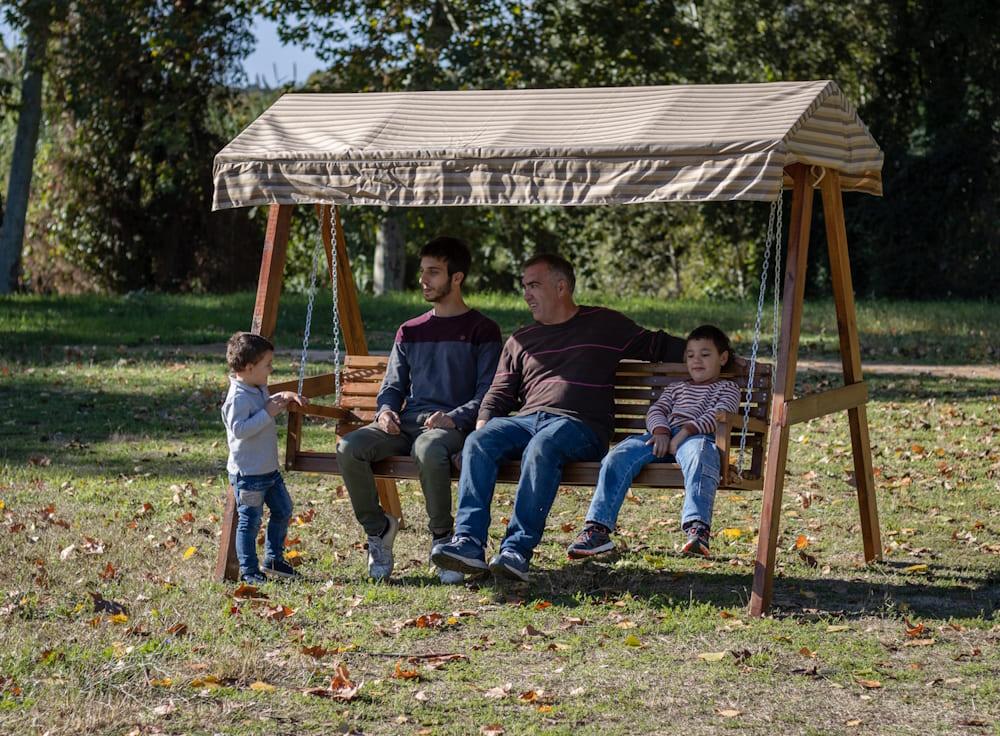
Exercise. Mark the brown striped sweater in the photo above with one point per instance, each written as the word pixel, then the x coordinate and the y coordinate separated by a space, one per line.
pixel 693 405
pixel 569 368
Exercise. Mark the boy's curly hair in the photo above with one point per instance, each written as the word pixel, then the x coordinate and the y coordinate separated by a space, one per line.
pixel 244 349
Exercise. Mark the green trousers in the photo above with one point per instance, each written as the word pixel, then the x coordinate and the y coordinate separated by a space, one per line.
pixel 432 449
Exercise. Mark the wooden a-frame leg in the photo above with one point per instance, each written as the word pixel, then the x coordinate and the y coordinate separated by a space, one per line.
pixel 265 317
pixel 784 389
pixel 850 353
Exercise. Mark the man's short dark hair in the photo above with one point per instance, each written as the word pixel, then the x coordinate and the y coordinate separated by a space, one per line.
pixel 244 349
pixel 453 251
pixel 556 263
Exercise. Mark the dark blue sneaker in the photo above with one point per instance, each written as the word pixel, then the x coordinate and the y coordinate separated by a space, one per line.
pixel 510 564
pixel 252 577
pixel 280 569
pixel 462 554
pixel 593 540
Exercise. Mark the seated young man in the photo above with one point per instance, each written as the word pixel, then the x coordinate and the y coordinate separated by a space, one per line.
pixel 440 367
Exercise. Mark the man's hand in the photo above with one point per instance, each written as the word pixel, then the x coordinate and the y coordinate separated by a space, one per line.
pixel 388 422
pixel 480 423
pixel 439 420
pixel 660 442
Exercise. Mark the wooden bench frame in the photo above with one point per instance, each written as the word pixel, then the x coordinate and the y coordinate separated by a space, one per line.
pixel 784 409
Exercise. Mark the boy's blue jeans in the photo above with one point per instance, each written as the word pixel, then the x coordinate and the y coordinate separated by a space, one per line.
pixel 253 492
pixel 544 442
pixel 699 460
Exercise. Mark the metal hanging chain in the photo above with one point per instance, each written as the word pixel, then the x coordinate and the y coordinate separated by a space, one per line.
pixel 776 340
pixel 336 311
pixel 309 314
pixel 771 237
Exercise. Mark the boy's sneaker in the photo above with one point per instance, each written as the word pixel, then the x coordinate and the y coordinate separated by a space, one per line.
pixel 510 564
pixel 448 577
pixel 254 577
pixel 593 540
pixel 280 569
pixel 697 539
pixel 461 554
pixel 380 559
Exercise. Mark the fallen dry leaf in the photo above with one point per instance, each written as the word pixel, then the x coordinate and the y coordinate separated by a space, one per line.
pixel 499 692
pixel 530 630
pixel 190 552
pixel 869 684
pixel 712 656
pixel 317 652
pixel 801 542
pixel 494 729
pixel 401 674
pixel 728 712
pixel 913 630
pixel 248 592
pixel 262 687
pixel 340 688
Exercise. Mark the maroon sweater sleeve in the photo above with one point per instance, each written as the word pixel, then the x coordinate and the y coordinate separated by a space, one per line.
pixel 504 393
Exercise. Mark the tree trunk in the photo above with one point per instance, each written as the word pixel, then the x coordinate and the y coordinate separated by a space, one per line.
pixel 36 32
pixel 390 255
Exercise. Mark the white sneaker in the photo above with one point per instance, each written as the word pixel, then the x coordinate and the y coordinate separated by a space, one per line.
pixel 380 560
pixel 448 577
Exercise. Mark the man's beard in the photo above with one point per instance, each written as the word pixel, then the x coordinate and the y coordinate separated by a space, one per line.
pixel 439 294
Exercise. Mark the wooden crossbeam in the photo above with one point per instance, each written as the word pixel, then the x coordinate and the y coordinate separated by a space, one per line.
pixel 825 402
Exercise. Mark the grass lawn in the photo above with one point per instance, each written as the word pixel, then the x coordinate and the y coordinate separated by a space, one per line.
pixel 111 489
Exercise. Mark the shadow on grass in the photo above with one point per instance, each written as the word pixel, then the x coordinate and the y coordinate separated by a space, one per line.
pixel 945 591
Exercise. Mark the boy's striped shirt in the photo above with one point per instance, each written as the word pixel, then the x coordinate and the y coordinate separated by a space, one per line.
pixel 693 405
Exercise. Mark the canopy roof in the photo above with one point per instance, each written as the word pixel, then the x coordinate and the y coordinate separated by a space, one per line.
pixel 611 145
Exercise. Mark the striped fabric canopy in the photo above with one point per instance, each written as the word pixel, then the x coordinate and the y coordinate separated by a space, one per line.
pixel 691 143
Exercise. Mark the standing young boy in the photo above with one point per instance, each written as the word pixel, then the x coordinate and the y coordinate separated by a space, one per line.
pixel 248 413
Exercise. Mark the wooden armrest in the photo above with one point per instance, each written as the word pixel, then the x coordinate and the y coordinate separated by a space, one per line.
pixel 323 410
pixel 736 422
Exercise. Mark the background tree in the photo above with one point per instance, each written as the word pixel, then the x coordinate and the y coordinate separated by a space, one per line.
pixel 34 17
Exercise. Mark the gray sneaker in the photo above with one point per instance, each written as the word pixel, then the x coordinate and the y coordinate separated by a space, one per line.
pixel 448 577
pixel 380 560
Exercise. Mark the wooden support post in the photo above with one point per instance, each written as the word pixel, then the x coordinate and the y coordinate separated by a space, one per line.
pixel 265 317
pixel 353 327
pixel 784 389
pixel 850 354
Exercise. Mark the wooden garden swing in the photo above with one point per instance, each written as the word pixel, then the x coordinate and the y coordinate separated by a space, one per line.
pixel 572 147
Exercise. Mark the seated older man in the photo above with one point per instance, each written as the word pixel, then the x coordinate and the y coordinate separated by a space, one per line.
pixel 558 374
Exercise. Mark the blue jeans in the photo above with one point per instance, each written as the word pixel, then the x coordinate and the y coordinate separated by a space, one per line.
pixel 699 460
pixel 544 442
pixel 253 492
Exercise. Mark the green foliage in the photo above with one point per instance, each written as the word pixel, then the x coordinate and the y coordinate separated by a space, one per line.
pixel 131 179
